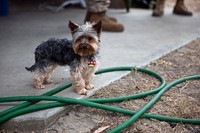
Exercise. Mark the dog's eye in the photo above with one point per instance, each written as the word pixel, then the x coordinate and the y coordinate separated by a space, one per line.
pixel 78 39
pixel 90 38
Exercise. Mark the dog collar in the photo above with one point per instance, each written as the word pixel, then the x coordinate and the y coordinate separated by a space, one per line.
pixel 91 63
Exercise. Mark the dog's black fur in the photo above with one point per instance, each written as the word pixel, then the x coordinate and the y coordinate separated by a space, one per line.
pixel 55 51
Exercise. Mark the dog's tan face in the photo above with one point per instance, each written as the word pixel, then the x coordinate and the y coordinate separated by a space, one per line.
pixel 85 37
pixel 85 45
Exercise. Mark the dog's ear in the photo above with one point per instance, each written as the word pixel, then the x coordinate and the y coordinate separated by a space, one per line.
pixel 72 26
pixel 98 27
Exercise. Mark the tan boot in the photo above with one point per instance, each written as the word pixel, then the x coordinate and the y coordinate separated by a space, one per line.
pixel 108 23
pixel 88 15
pixel 180 9
pixel 159 10
pixel 111 18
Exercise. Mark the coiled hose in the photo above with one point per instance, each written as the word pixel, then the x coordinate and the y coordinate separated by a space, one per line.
pixel 26 107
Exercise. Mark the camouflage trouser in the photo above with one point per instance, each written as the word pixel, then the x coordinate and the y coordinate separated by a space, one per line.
pixel 97 5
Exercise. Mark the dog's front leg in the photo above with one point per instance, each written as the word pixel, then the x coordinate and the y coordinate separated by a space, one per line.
pixel 78 82
pixel 88 76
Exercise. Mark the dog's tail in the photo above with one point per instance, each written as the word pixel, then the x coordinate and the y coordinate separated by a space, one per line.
pixel 31 69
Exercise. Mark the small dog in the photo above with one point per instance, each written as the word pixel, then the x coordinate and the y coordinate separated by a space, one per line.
pixel 80 55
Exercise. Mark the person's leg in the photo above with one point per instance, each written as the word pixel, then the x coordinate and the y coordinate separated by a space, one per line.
pixel 180 9
pixel 159 10
pixel 96 11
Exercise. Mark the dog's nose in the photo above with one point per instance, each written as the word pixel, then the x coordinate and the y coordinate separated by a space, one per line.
pixel 84 45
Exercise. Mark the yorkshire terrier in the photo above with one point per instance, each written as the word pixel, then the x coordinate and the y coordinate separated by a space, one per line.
pixel 80 54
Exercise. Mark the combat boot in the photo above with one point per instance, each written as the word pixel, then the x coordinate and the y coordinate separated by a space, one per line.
pixel 108 23
pixel 159 10
pixel 180 9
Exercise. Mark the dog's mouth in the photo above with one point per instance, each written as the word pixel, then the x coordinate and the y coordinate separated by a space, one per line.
pixel 85 49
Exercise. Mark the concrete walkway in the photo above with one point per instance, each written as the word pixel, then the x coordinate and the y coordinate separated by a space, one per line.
pixel 145 39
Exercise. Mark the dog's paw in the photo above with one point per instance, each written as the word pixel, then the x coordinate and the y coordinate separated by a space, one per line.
pixel 48 81
pixel 40 86
pixel 82 91
pixel 89 87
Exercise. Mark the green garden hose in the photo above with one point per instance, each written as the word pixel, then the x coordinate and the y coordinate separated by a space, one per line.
pixel 118 99
pixel 63 101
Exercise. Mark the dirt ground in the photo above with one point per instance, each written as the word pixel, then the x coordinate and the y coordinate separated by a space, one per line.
pixel 182 100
